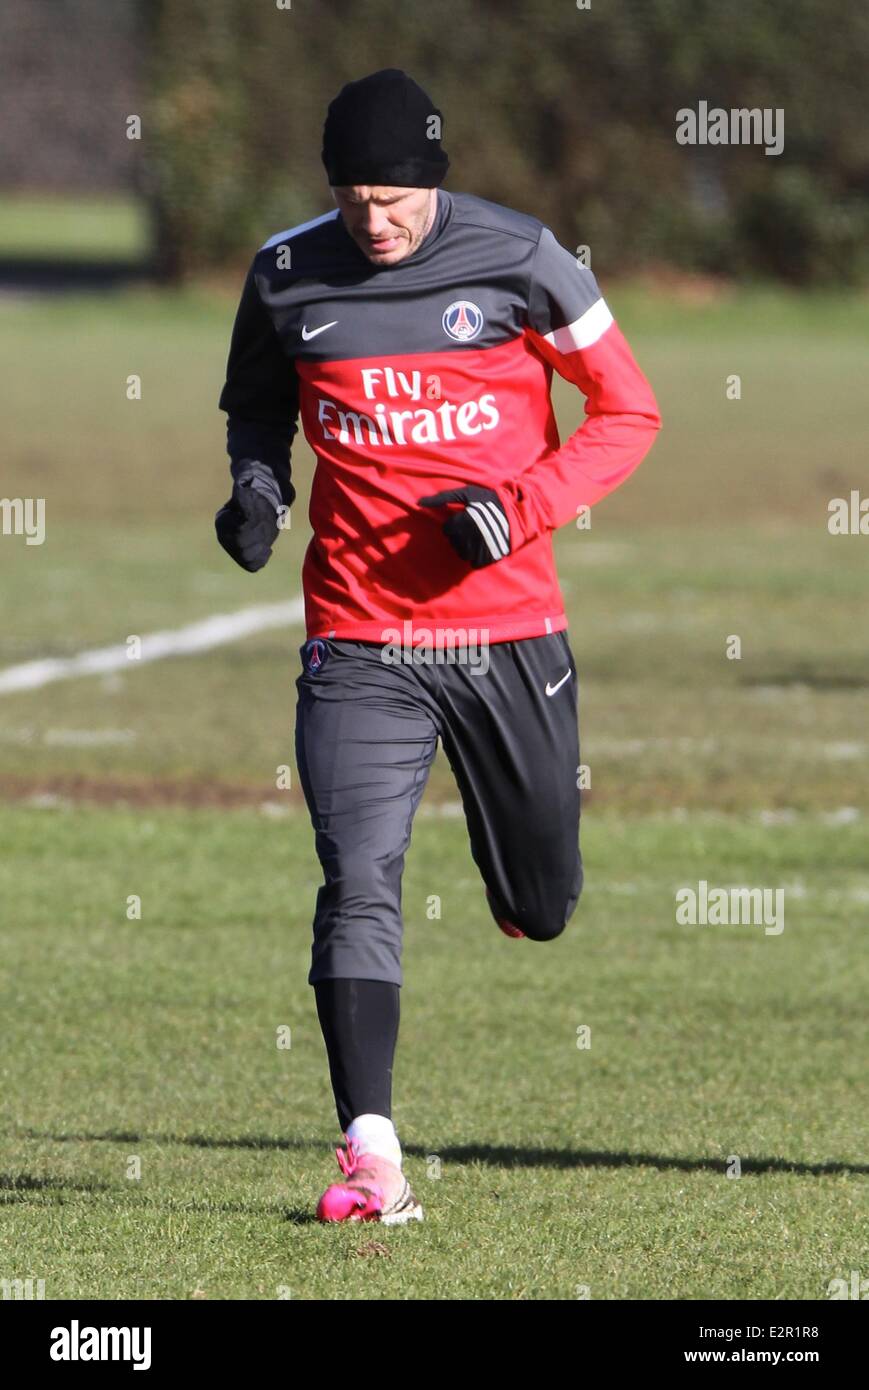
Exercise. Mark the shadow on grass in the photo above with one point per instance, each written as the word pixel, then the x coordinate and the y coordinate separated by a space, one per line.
pixel 508 1157
pixel 498 1156
pixel 19 1187
pixel 196 1141
pixel 808 676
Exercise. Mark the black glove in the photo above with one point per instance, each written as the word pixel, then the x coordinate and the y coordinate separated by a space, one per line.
pixel 480 532
pixel 248 525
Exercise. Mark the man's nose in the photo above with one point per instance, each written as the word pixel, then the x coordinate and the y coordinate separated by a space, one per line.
pixel 375 222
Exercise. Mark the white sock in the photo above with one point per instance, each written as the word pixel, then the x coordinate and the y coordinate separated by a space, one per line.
pixel 374 1134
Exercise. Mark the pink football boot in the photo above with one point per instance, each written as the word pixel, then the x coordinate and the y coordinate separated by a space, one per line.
pixel 507 927
pixel 374 1190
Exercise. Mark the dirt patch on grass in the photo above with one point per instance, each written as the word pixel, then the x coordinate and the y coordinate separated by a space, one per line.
pixel 153 792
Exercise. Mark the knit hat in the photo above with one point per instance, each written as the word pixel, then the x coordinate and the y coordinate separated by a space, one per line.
pixel 384 130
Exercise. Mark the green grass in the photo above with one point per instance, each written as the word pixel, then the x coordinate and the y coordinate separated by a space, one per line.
pixel 542 1167
pixel 97 228
pixel 560 1167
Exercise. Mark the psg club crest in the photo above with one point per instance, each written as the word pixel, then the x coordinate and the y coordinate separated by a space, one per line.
pixel 462 320
pixel 314 655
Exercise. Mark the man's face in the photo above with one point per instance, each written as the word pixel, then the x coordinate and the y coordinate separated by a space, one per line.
pixel 386 223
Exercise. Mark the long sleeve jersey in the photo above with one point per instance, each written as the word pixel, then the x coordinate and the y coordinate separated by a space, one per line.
pixel 427 375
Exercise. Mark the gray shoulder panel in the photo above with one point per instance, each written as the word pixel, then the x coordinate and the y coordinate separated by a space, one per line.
pixel 562 289
pixel 466 288
pixel 492 217
pixel 291 232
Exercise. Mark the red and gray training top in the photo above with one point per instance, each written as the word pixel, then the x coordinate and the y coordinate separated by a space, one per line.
pixel 426 375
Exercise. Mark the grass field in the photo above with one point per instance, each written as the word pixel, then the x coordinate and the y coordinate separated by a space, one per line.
pixel 544 1168
pixel 98 228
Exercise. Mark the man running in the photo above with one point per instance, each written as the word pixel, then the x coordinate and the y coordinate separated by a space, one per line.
pixel 415 332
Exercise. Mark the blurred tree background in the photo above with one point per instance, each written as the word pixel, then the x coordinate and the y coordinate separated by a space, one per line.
pixel 565 112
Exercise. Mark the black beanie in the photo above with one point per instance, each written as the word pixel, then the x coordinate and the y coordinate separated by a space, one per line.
pixel 380 130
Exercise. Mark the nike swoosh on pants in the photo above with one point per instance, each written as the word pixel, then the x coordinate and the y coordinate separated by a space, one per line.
pixel 551 689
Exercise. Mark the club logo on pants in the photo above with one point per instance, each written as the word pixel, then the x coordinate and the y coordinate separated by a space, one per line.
pixel 314 654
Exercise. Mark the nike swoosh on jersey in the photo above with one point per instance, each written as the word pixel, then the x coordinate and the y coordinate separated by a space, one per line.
pixel 307 334
pixel 551 689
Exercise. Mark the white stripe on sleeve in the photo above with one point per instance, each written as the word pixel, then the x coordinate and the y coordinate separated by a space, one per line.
pixel 584 331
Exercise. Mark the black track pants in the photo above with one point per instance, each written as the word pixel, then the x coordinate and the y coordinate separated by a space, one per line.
pixel 366 734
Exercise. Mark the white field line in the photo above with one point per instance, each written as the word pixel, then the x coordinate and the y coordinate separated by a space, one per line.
pixel 179 641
